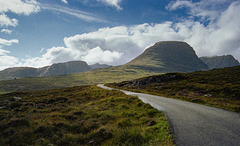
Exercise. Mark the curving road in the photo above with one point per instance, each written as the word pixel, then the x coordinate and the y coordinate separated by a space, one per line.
pixel 194 124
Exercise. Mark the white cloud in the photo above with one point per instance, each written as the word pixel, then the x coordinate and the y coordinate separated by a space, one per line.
pixel 76 13
pixel 97 55
pixel 7 31
pixel 113 3
pixel 128 41
pixel 7 61
pixel 3 52
pixel 219 37
pixel 8 42
pixel 65 1
pixel 118 45
pixel 53 55
pixel 25 7
pixel 6 21
pixel 207 10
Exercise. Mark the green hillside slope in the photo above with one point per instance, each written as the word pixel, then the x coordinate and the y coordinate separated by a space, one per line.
pixel 218 87
pixel 163 57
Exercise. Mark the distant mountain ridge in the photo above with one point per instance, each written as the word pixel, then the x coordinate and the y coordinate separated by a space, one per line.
pixel 220 61
pixel 97 65
pixel 163 57
pixel 53 70
pixel 168 56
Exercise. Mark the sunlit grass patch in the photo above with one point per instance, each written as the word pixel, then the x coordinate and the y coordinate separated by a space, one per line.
pixel 84 115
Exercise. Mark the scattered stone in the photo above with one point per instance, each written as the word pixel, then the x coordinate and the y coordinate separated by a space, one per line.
pixel 91 141
pixel 208 95
pixel 2 107
pixel 16 99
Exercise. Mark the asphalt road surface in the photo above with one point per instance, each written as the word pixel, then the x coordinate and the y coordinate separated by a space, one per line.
pixel 194 124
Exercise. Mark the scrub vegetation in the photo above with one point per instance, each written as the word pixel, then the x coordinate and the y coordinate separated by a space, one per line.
pixel 219 87
pixel 84 115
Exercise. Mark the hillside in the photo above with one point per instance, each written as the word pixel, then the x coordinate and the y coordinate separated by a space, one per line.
pixel 218 87
pixel 161 58
pixel 85 115
pixel 220 61
pixel 53 70
pixel 169 56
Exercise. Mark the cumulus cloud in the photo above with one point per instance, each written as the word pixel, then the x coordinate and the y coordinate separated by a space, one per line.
pixel 52 55
pixel 7 31
pixel 65 1
pixel 113 3
pixel 8 42
pixel 18 7
pixel 25 7
pixel 3 52
pixel 118 45
pixel 97 55
pixel 62 54
pixel 7 61
pixel 221 35
pixel 6 21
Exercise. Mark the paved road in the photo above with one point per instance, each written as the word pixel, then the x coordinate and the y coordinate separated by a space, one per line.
pixel 193 124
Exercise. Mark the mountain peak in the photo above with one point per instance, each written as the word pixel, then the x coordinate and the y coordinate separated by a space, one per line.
pixel 168 56
pixel 220 61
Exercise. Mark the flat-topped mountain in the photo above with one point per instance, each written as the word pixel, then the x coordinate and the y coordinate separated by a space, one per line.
pixel 53 70
pixel 65 68
pixel 168 56
pixel 220 61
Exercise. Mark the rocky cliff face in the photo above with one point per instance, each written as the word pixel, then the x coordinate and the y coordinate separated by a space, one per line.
pixel 66 68
pixel 169 56
pixel 53 70
pixel 220 61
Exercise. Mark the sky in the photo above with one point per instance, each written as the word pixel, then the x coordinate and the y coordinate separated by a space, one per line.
pixel 37 33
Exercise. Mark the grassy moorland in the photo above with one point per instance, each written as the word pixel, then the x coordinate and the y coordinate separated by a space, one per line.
pixel 85 115
pixel 110 75
pixel 219 87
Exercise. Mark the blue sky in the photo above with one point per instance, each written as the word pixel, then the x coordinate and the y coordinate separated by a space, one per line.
pixel 37 33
